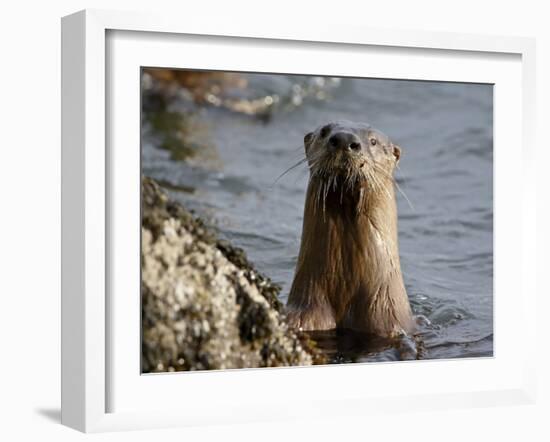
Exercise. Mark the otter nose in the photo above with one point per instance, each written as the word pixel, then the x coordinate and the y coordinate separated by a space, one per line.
pixel 344 140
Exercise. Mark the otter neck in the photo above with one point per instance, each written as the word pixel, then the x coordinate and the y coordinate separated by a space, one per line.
pixel 349 250
pixel 360 208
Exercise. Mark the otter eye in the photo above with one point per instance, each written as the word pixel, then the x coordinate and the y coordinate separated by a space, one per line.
pixel 373 141
pixel 324 131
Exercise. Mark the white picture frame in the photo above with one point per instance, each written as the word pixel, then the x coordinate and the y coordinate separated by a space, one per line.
pixel 88 324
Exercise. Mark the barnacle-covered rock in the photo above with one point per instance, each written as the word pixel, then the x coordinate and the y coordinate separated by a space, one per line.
pixel 204 306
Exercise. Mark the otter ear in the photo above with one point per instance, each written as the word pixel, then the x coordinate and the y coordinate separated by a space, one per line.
pixel 307 139
pixel 396 150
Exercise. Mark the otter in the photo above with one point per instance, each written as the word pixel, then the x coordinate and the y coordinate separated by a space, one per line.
pixel 348 274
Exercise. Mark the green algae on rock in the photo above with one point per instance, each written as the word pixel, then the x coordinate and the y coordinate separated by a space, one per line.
pixel 204 306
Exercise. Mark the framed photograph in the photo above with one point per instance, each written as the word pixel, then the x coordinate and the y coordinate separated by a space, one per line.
pixel 257 211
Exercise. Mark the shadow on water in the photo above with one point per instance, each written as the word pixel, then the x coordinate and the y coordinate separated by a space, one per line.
pixel 342 346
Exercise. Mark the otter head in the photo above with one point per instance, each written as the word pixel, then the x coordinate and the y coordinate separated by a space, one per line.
pixel 347 148
pixel 350 158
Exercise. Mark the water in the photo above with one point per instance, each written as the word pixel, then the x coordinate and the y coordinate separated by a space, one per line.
pixel 445 234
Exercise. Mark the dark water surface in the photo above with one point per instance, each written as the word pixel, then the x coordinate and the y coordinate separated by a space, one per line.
pixel 445 233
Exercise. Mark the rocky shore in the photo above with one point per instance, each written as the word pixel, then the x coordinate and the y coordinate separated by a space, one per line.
pixel 204 306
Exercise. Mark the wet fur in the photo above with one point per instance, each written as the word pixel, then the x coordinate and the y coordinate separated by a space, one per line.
pixel 348 273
